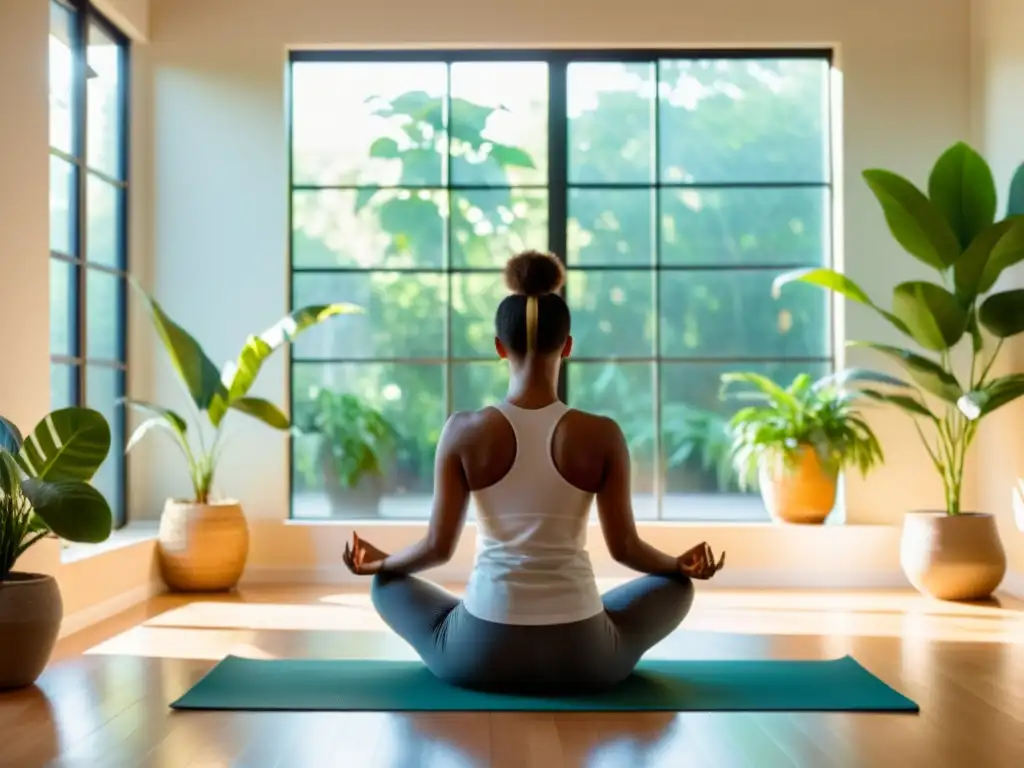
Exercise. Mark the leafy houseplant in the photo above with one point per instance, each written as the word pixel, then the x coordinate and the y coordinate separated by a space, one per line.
pixel 356 441
pixel 794 441
pixel 203 543
pixel 952 229
pixel 44 490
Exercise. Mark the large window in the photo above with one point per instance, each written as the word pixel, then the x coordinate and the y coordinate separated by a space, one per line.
pixel 88 199
pixel 675 187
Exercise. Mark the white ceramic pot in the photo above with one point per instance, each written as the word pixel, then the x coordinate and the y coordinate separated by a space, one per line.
pixel 952 557
pixel 202 547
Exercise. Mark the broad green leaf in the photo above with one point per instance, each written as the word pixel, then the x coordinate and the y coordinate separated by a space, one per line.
pixel 766 389
pixel 154 422
pixel 857 376
pixel 263 410
pixel 916 224
pixel 995 394
pixel 173 419
pixel 73 510
pixel 385 148
pixel 199 375
pixel 468 121
pixel 969 269
pixel 238 379
pixel 1015 203
pixel 10 436
pixel 961 187
pixel 363 197
pixel 68 444
pixel 930 375
pixel 10 477
pixel 977 340
pixel 509 157
pixel 933 315
pixel 909 404
pixel 1002 314
pixel 838 283
pixel 1005 253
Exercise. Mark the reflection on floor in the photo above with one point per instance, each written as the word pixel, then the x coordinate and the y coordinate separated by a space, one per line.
pixel 103 701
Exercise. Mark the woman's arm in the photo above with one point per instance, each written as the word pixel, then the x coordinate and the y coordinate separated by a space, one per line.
pixel 615 510
pixel 451 500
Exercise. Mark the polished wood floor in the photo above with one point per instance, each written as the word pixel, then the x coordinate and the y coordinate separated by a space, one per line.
pixel 103 700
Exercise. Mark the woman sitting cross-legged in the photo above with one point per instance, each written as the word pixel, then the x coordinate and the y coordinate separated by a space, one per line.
pixel 532 617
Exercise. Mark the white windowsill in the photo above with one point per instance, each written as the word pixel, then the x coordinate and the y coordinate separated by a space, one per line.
pixel 131 534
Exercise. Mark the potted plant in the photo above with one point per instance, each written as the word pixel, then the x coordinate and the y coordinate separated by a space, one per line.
pixel 795 441
pixel 44 490
pixel 203 541
pixel 356 441
pixel 953 230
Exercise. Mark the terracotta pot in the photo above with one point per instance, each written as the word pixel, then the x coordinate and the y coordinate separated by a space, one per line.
pixel 202 547
pixel 804 493
pixel 952 557
pixel 30 615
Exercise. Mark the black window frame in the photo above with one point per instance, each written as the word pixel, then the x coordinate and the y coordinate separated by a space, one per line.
pixel 84 16
pixel 558 187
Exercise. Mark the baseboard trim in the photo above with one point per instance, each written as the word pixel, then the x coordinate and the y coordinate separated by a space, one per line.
pixel 94 614
pixel 727 579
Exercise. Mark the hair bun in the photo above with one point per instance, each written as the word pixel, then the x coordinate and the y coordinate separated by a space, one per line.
pixel 533 273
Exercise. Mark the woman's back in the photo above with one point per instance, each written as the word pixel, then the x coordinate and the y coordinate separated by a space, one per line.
pixel 533 473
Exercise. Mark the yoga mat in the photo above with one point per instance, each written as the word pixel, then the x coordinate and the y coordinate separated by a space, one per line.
pixel 840 685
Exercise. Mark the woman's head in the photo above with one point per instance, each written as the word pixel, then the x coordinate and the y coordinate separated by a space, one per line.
pixel 534 319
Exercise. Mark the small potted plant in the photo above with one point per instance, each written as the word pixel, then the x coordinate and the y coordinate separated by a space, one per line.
pixel 794 442
pixel 952 229
pixel 356 442
pixel 203 542
pixel 44 490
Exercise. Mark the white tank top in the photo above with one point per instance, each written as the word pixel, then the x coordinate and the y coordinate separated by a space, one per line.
pixel 532 565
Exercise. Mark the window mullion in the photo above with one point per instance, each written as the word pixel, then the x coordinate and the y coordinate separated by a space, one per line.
pixel 80 120
pixel 558 187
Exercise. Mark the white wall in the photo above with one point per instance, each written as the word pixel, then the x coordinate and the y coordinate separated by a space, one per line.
pixel 998 126
pixel 215 73
pixel 24 212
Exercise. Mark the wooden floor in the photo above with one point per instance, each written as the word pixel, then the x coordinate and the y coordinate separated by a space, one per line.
pixel 103 700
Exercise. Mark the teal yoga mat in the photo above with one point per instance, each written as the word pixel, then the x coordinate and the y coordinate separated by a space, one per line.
pixel 840 685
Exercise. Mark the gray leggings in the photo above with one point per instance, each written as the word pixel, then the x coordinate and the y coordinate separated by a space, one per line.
pixel 584 655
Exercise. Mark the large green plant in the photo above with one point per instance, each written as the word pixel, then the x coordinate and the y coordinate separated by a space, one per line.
pixel 952 230
pixel 214 392
pixel 807 415
pixel 44 482
pixel 357 439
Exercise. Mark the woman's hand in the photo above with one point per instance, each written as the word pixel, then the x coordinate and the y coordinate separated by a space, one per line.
pixel 362 558
pixel 699 562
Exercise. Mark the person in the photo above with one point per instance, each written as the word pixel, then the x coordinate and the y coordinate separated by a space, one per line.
pixel 532 617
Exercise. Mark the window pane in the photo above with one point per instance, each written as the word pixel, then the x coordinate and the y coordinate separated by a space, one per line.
pixel 368 124
pixel 102 305
pixel 478 385
pixel 62 385
pixel 727 313
pixel 611 122
pixel 102 237
pixel 63 307
pixel 103 82
pixel 695 440
pixel 608 226
pixel 612 313
pixel 624 392
pixel 62 206
pixel 745 226
pixel 489 226
pixel 61 76
pixel 743 120
pixel 103 386
pixel 403 315
pixel 499 123
pixel 475 299
pixel 411 399
pixel 369 228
